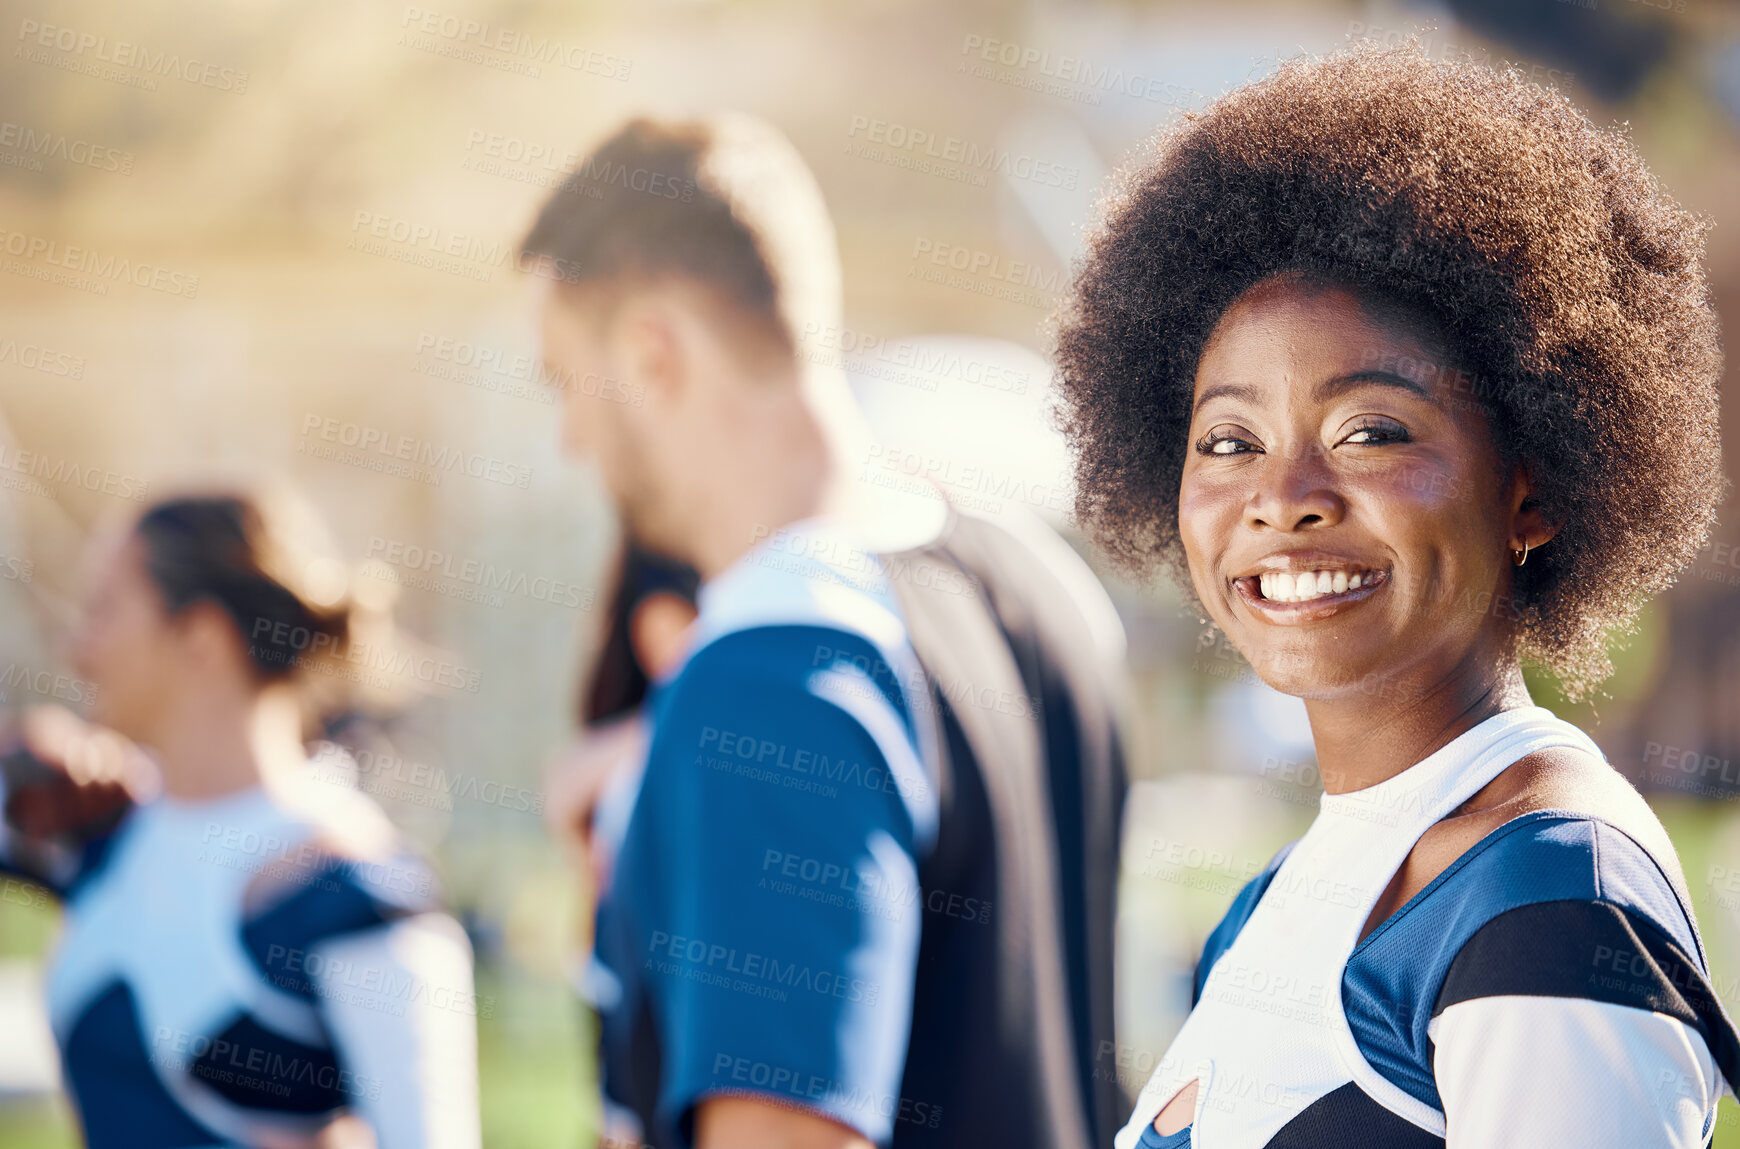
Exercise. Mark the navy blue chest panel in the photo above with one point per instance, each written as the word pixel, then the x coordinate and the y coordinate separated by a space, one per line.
pixel 120 1099
pixel 110 1066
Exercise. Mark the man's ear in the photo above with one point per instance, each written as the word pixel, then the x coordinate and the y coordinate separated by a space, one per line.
pixel 210 637
pixel 1527 524
pixel 650 349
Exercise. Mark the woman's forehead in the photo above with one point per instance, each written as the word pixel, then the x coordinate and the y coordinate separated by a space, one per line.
pixel 1304 322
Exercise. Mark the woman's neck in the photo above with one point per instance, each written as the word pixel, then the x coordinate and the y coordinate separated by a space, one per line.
pixel 1362 741
pixel 217 744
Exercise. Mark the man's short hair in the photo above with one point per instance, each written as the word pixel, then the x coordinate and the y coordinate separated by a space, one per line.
pixel 724 201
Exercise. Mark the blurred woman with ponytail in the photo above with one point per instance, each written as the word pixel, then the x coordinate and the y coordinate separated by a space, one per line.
pixel 250 956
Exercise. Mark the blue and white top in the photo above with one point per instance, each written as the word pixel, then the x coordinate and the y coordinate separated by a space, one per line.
pixel 239 971
pixel 764 915
pixel 813 904
pixel 1548 988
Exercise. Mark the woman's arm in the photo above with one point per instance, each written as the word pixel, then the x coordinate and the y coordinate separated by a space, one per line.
pixel 1526 1071
pixel 65 785
pixel 399 1004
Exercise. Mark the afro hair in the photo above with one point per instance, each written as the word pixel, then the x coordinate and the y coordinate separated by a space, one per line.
pixel 1569 287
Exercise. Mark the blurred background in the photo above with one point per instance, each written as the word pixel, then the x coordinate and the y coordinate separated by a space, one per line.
pixel 257 238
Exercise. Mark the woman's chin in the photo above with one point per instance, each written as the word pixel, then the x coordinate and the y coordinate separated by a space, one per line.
pixel 1312 670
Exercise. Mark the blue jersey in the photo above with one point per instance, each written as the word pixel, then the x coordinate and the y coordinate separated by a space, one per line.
pixel 806 909
pixel 765 907
pixel 247 968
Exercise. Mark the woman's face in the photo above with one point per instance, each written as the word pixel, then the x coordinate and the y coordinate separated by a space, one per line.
pixel 126 646
pixel 1342 507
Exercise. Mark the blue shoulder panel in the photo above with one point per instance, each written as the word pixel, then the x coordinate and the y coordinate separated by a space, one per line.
pixel 1393 979
pixel 339 897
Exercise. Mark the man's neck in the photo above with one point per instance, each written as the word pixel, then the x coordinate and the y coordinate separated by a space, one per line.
pixel 791 472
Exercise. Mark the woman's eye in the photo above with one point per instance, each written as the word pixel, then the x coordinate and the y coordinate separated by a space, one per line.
pixel 1377 431
pixel 1219 442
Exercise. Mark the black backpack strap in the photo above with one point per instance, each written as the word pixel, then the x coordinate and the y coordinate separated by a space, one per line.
pixel 1070 654
pixel 979 689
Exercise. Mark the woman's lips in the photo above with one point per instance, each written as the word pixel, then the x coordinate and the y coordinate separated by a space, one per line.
pixel 1308 595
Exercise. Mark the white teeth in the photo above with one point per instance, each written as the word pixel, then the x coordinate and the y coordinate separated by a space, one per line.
pixel 1284 586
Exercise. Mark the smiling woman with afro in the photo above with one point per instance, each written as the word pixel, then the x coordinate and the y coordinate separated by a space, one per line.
pixel 1409 371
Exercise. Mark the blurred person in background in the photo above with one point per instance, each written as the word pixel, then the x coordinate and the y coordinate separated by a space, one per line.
pixel 866 887
pixel 249 954
pixel 1410 372
pixel 590 789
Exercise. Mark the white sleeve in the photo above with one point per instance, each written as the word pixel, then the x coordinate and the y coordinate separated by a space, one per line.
pixel 399 1004
pixel 1524 1072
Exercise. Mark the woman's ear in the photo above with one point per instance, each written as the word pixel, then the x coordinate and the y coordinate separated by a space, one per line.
pixel 1529 527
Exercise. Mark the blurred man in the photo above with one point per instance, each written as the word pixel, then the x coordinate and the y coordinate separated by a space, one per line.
pixel 866 888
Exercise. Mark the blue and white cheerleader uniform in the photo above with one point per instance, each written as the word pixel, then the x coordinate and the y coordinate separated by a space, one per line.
pixel 239 971
pixel 1548 989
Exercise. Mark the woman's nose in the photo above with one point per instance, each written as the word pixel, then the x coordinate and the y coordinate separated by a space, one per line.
pixel 1295 491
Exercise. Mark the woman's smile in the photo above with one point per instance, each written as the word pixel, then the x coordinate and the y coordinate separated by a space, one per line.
pixel 1291 589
